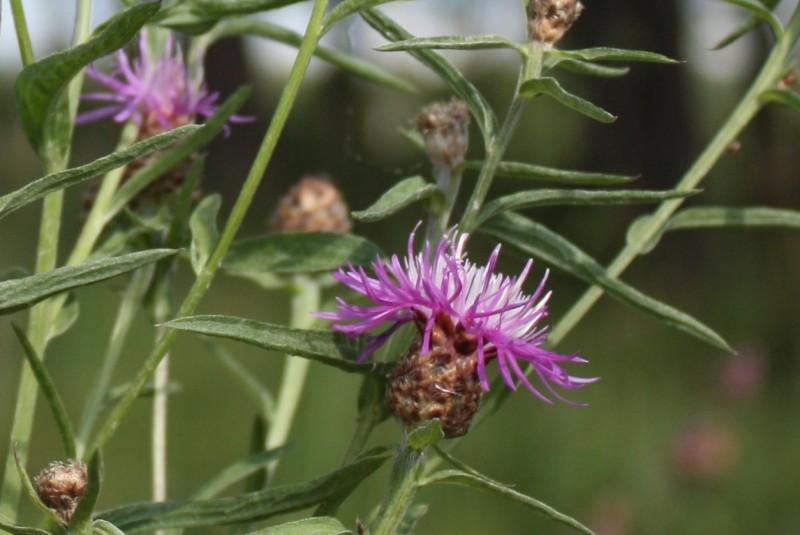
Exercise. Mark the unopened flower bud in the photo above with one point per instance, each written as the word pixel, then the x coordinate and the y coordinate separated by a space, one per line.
pixel 549 20
pixel 445 128
pixel 60 487
pixel 314 204
pixel 442 383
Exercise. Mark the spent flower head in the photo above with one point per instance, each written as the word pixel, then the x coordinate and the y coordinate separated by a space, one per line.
pixel 486 314
pixel 158 93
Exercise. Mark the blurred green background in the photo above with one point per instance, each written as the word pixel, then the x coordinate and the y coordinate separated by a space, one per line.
pixel 677 438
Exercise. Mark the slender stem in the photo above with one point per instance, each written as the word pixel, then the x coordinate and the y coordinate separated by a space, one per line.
pixel 238 212
pixel 748 107
pixel 306 300
pixel 402 488
pixel 21 28
pixel 159 434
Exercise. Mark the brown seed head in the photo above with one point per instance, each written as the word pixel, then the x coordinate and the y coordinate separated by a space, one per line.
pixel 549 20
pixel 314 204
pixel 445 128
pixel 60 487
pixel 442 383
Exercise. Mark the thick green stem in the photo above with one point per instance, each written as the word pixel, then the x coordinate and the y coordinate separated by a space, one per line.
pixel 748 107
pixel 21 28
pixel 206 275
pixel 403 483
pixel 305 301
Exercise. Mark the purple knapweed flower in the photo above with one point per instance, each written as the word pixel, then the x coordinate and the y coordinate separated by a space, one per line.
pixel 157 93
pixel 488 309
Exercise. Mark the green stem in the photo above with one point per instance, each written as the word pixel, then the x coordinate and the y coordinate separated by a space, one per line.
pixel 748 107
pixel 206 275
pixel 42 314
pixel 497 145
pixel 305 301
pixel 23 38
pixel 403 483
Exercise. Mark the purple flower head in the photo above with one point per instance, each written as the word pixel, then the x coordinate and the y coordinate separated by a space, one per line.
pixel 492 308
pixel 158 94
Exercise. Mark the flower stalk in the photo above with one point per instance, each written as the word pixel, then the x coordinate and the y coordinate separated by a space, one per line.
pixel 403 483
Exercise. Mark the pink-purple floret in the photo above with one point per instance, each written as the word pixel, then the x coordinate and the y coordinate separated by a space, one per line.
pixel 488 305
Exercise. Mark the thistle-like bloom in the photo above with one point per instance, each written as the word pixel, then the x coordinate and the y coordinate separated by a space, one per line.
pixel 157 93
pixel 492 317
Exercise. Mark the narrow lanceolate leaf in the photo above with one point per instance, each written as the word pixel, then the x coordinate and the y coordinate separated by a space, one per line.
pixel 589 69
pixel 77 175
pixel 783 97
pixel 30 492
pixel 170 159
pixel 9 527
pixel 425 436
pixel 246 507
pixel 610 54
pixel 199 16
pixel 536 240
pixel 551 87
pixel 50 394
pixel 457 477
pixel 348 8
pixel 298 252
pixel 761 11
pixel 205 234
pixel 725 217
pixel 21 293
pixel 746 26
pixel 102 527
pixel 328 347
pixel 547 197
pixel 324 525
pixel 81 522
pixel 347 62
pixel 467 42
pixel 478 106
pixel 527 171
pixel 39 84
pixel 401 195
pixel 237 472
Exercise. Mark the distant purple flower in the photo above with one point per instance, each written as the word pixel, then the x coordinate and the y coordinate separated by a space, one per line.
pixel 158 94
pixel 487 305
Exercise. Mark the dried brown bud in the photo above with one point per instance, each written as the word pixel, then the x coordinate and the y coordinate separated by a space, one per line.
pixel 445 128
pixel 60 487
pixel 549 20
pixel 442 383
pixel 314 204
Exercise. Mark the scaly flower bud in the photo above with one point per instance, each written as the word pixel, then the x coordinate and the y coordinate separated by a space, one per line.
pixel 445 128
pixel 549 20
pixel 314 204
pixel 60 487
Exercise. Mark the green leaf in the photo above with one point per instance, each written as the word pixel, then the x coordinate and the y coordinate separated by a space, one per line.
pixel 50 393
pixel 347 62
pixel 469 42
pixel 588 68
pixel 21 293
pixel 298 252
pixel 66 317
pixel 611 54
pixel 7 526
pixel 205 234
pixel 549 197
pixel 457 477
pixel 401 195
pixel 101 527
pixel 81 521
pixel 526 171
pixel 783 97
pixel 534 239
pixel 246 507
pixel 410 519
pixel 723 217
pixel 77 175
pixel 746 26
pixel 551 87
pixel 328 347
pixel 760 11
pixel 425 435
pixel 237 472
pixel 198 16
pixel 172 158
pixel 39 85
pixel 347 8
pixel 30 492
pixel 323 525
pixel 477 104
